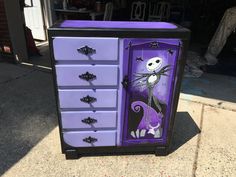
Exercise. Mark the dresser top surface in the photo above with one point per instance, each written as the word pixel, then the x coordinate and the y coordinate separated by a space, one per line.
pixel 116 24
pixel 122 29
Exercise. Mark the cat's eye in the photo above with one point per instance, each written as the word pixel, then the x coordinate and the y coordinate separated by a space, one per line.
pixel 157 61
pixel 149 64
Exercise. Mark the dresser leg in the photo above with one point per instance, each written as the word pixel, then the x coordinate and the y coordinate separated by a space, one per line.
pixel 162 151
pixel 71 154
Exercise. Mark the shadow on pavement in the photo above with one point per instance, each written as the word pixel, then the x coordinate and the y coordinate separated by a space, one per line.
pixel 43 59
pixel 213 86
pixel 184 129
pixel 27 115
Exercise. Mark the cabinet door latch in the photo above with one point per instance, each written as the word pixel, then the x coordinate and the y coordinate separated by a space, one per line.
pixel 125 82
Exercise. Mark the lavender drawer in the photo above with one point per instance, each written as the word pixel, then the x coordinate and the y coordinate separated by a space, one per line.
pixel 89 138
pixel 87 75
pixel 99 98
pixel 85 48
pixel 89 119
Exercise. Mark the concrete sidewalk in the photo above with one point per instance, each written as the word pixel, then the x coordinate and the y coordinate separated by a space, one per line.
pixel 29 138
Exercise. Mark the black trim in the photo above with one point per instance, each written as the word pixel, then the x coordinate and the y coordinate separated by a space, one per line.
pixel 179 73
pixel 182 34
pixel 113 150
pixel 53 62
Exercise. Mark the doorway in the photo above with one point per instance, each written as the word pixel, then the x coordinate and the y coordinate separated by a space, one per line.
pixel 34 19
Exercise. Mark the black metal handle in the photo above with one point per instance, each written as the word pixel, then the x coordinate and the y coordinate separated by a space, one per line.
pixel 125 82
pixel 87 76
pixel 88 99
pixel 90 139
pixel 170 51
pixel 86 50
pixel 89 121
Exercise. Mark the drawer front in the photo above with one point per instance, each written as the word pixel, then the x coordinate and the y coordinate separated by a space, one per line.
pixel 87 75
pixel 85 48
pixel 89 119
pixel 98 98
pixel 89 139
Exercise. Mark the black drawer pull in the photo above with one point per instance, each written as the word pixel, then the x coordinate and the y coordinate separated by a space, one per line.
pixel 87 76
pixel 88 99
pixel 89 121
pixel 90 139
pixel 86 50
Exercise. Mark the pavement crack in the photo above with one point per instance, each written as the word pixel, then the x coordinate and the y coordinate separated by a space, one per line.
pixel 18 77
pixel 44 69
pixel 219 106
pixel 198 145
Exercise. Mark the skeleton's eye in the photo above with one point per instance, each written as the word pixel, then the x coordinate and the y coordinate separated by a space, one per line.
pixel 157 61
pixel 149 64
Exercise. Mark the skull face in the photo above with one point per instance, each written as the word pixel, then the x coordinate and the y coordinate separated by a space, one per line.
pixel 154 64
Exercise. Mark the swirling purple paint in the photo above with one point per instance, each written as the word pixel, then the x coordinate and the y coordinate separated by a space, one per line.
pixel 154 117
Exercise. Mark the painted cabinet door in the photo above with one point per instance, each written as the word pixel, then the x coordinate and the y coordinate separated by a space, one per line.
pixel 149 84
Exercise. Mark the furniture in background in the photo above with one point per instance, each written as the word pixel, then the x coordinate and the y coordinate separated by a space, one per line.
pixel 117 85
pixel 76 13
pixel 108 11
pixel 84 13
pixel 159 11
pixel 107 14
pixel 138 11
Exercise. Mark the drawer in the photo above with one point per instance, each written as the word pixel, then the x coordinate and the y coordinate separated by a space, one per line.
pixel 89 119
pixel 97 98
pixel 85 48
pixel 87 75
pixel 88 139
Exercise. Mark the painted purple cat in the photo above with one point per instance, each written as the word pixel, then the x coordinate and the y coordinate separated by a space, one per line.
pixel 151 120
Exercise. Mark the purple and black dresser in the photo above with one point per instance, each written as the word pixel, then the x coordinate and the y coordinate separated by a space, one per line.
pixel 117 85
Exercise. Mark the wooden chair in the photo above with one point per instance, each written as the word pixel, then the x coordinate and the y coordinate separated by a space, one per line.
pixel 108 11
pixel 138 10
pixel 159 11
pixel 107 14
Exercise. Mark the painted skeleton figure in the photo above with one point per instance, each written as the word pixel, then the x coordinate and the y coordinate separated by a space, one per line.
pixel 149 81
